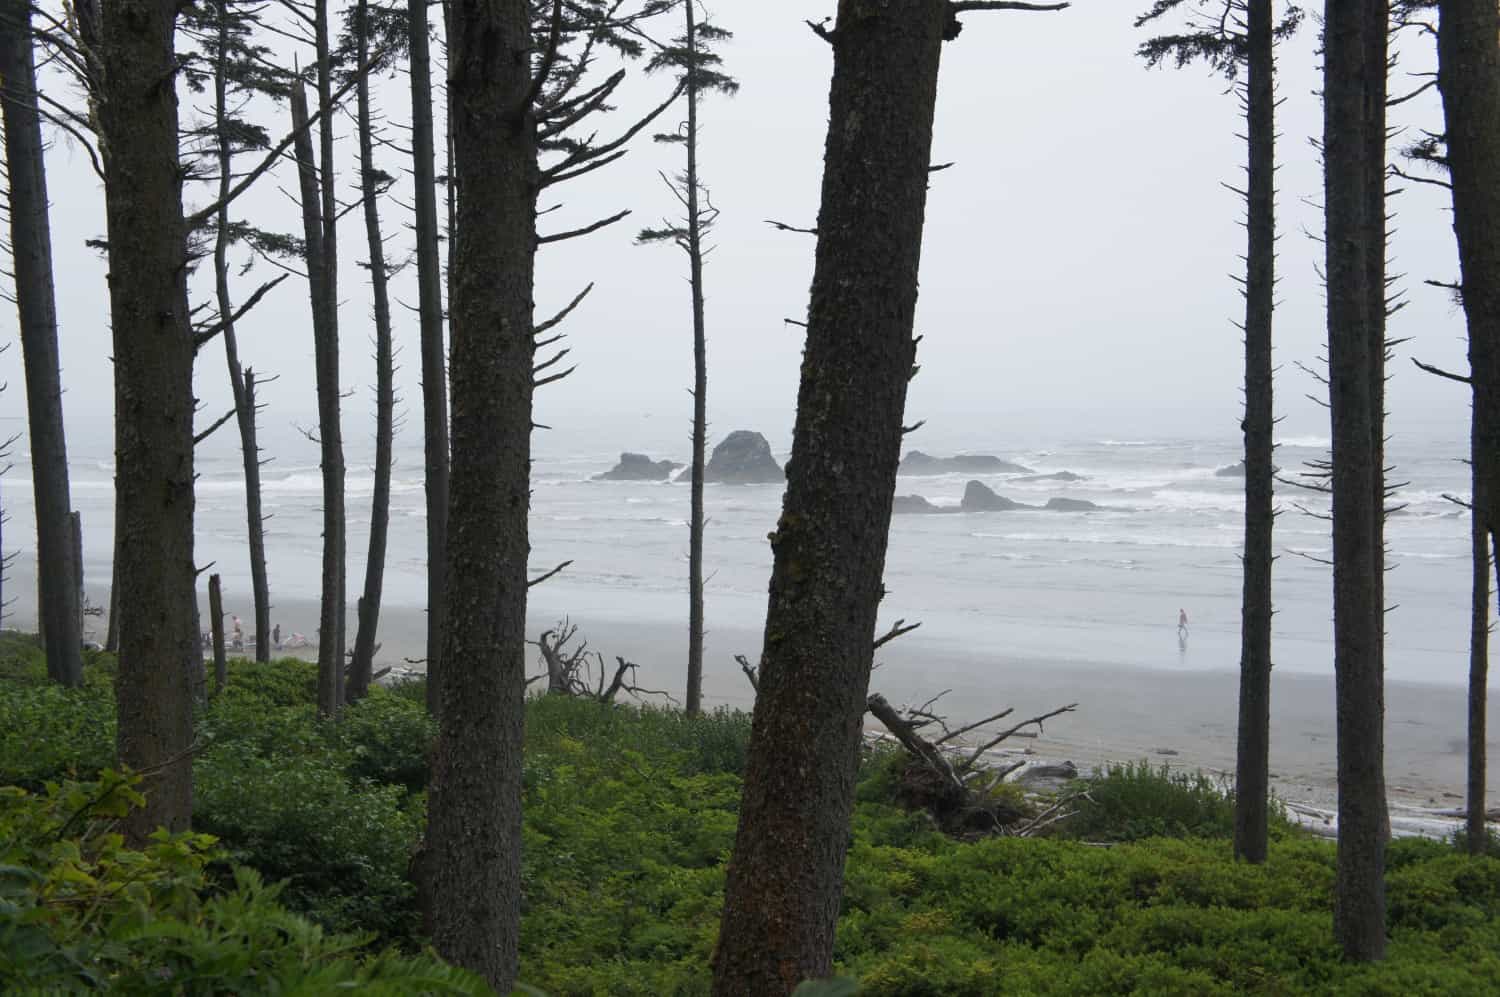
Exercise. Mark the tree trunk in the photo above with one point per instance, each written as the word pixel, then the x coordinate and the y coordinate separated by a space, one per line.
pixel 1354 80
pixel 31 252
pixel 335 546
pixel 385 392
pixel 1252 773
pixel 216 627
pixel 1477 830
pixel 434 359
pixel 700 383
pixel 153 354
pixel 112 629
pixel 241 383
pixel 1469 78
pixel 255 520
pixel 474 811
pixel 786 875
pixel 325 349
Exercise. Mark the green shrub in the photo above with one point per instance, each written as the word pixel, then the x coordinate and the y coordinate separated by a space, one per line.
pixel 387 739
pixel 342 847
pixel 1134 801
pixel 48 732
pixel 80 911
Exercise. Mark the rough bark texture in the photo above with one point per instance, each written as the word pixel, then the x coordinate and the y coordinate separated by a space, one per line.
pixel 694 700
pixel 1479 646
pixel 434 359
pixel 241 383
pixel 216 627
pixel 153 354
pixel 474 812
pixel 1469 78
pixel 112 629
pixel 786 875
pixel 1354 80
pixel 325 356
pixel 31 252
pixel 1252 760
pixel 385 392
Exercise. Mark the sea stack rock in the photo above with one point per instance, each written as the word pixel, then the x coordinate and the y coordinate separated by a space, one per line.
pixel 918 463
pixel 1069 505
pixel 979 498
pixel 743 458
pixel 1055 476
pixel 638 467
pixel 912 505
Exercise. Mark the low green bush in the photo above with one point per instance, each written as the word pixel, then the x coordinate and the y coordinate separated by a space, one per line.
pixel 80 911
pixel 1136 800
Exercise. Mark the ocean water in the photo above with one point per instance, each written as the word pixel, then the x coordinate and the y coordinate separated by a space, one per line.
pixel 1097 588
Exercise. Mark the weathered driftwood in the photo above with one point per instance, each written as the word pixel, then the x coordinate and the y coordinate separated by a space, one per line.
pixel 577 671
pixel 950 778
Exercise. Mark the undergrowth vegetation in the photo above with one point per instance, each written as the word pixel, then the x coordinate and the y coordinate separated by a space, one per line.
pixel 298 869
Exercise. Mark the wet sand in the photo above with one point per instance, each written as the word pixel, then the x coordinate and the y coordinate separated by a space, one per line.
pixel 1186 718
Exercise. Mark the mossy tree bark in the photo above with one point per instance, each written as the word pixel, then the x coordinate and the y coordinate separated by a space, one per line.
pixel 153 355
pixel 1469 79
pixel 362 666
pixel 474 811
pixel 786 875
pixel 31 252
pixel 434 357
pixel 1354 91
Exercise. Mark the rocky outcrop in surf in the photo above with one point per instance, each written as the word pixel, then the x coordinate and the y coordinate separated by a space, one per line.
pixel 743 458
pixel 979 497
pixel 639 467
pixel 918 463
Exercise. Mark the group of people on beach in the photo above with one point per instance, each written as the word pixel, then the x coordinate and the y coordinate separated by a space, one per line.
pixel 236 635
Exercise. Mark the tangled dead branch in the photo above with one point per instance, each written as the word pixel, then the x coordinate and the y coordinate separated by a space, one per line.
pixel 574 670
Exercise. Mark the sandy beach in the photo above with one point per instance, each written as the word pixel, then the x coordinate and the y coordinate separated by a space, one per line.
pixel 1184 718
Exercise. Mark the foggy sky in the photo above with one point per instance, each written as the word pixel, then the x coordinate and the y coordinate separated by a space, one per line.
pixel 1075 267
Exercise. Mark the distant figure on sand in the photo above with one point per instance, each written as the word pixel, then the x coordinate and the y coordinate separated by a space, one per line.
pixel 276 636
pixel 237 634
pixel 1182 620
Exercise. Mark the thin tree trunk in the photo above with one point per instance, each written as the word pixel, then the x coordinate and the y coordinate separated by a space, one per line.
pixel 75 548
pixel 255 520
pixel 1252 774
pixel 1469 79
pixel 474 811
pixel 216 627
pixel 31 252
pixel 112 629
pixel 153 354
pixel 1354 80
pixel 700 383
pixel 240 383
pixel 330 433
pixel 1377 28
pixel 786 876
pixel 325 346
pixel 1477 830
pixel 385 392
pixel 434 359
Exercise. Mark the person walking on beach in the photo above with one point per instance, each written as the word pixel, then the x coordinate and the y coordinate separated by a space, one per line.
pixel 237 639
pixel 1182 623
pixel 276 636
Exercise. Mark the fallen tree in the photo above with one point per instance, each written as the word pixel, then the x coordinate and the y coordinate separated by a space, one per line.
pixel 577 671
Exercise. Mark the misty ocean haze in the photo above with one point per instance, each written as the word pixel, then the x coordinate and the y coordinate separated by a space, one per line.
pixel 1098 588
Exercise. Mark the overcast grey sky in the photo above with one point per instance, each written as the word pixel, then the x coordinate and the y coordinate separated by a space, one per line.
pixel 1075 278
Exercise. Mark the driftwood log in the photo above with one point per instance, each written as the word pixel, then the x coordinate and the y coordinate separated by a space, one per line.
pixel 948 775
pixel 574 670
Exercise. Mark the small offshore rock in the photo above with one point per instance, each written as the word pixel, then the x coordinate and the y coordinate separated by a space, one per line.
pixel 638 467
pixel 1070 505
pixel 918 463
pixel 743 458
pixel 979 497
